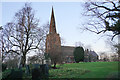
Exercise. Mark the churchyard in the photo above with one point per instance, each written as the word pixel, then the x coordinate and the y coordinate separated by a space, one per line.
pixel 86 70
pixel 32 51
pixel 65 71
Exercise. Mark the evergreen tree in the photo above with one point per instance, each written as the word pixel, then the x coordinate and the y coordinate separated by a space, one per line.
pixel 79 54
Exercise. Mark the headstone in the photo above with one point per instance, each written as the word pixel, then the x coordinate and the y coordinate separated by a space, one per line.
pixel 27 69
pixel 40 72
pixel 36 74
pixel 36 65
pixel 44 71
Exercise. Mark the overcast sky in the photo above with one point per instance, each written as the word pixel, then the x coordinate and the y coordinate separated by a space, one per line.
pixel 68 21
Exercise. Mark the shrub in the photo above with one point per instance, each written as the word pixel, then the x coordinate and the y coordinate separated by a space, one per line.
pixel 12 74
pixel 47 56
pixel 4 66
pixel 5 74
pixel 16 73
pixel 79 54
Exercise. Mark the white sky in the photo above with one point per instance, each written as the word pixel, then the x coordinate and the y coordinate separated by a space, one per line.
pixel 68 20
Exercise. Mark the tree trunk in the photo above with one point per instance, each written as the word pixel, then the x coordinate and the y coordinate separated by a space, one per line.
pixel 54 65
pixel 42 61
pixel 23 60
pixel 119 54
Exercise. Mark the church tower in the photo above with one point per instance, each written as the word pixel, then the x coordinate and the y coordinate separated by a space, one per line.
pixel 53 41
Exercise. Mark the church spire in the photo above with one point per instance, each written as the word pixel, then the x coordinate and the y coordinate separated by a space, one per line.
pixel 52 23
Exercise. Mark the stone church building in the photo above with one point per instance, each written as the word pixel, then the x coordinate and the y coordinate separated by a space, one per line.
pixel 53 43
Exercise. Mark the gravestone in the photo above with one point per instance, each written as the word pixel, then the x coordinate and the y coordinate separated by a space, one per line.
pixel 36 74
pixel 27 69
pixel 36 65
pixel 40 72
pixel 44 70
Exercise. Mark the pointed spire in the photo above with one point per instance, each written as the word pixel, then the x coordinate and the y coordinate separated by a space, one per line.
pixel 52 23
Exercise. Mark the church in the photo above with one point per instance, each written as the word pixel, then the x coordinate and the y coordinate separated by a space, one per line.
pixel 53 45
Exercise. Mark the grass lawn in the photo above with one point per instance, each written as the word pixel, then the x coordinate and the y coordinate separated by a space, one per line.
pixel 86 70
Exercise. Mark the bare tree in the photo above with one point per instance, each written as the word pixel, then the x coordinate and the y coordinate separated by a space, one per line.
pixel 54 49
pixel 104 56
pixel 23 34
pixel 103 17
pixel 79 44
pixel 111 44
pixel 36 59
pixel 114 46
pixel 1 28
pixel 55 56
pixel 117 46
pixel 114 57
pixel 11 62
pixel 63 41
